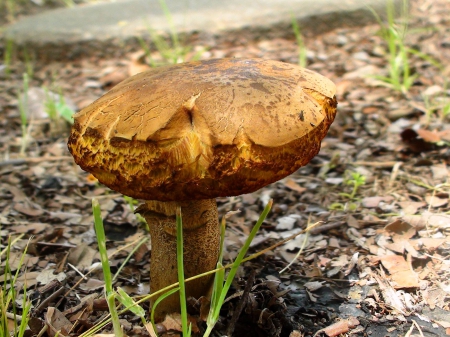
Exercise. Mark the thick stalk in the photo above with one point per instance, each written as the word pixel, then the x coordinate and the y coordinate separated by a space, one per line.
pixel 201 235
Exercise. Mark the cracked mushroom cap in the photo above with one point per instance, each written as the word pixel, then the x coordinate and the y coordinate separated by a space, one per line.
pixel 201 130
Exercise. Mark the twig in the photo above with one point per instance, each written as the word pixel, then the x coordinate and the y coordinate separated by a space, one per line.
pixel 79 272
pixel 241 304
pixel 326 227
pixel 49 299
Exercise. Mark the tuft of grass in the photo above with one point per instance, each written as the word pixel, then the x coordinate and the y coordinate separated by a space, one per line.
pixel 172 51
pixel 9 311
pixel 222 284
pixel 109 292
pixel 438 104
pixel 356 180
pixel 220 288
pixel 8 56
pixel 57 108
pixel 400 76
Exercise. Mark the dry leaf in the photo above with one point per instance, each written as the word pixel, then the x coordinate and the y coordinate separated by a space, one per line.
pixel 400 272
pixel 372 202
pixel 57 323
pixel 81 256
pixel 400 228
pixel 27 209
pixel 430 244
pixel 289 183
pixel 340 327
pixel 46 276
pixel 313 285
pixel 428 219
pixel 411 207
pixel 434 201
pixel 429 136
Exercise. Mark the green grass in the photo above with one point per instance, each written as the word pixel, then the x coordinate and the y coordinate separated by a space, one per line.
pixel 393 32
pixel 57 109
pixel 222 284
pixel 220 289
pixel 172 51
pixel 438 104
pixel 355 180
pixel 9 310
pixel 186 328
pixel 302 58
pixel 110 294
pixel 8 56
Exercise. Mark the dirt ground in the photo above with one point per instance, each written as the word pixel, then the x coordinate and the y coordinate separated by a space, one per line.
pixel 377 264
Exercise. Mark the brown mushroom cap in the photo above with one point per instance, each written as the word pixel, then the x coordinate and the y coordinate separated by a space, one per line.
pixel 201 130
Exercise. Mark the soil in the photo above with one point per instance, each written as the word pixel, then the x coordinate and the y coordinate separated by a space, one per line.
pixel 375 264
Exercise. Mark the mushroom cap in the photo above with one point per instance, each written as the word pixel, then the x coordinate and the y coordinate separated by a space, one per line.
pixel 205 129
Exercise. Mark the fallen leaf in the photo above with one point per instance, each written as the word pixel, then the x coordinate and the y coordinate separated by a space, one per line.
pixel 400 228
pixel 287 222
pixel 81 256
pixel 46 276
pixel 411 207
pixel 291 184
pixel 434 201
pixel 416 144
pixel 340 327
pixel 31 227
pixel 430 244
pixel 313 285
pixel 18 195
pixel 92 284
pixel 27 209
pixel 57 323
pixel 372 202
pixel 400 272
pixel 429 136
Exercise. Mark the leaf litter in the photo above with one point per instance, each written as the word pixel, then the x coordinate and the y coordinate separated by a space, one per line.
pixel 378 264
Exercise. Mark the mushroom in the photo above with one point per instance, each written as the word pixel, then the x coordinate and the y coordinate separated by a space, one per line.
pixel 185 134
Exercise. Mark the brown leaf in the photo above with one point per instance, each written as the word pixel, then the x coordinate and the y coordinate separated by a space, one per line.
pixel 340 327
pixel 430 244
pixel 57 323
pixel 411 207
pixel 400 228
pixel 31 227
pixel 27 209
pixel 313 285
pixel 434 201
pixel 173 322
pixel 414 142
pixel 400 271
pixel 82 256
pixel 429 136
pixel 19 196
pixel 291 184
pixel 428 219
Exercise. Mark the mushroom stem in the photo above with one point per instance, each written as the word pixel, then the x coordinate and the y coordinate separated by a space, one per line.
pixel 201 238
